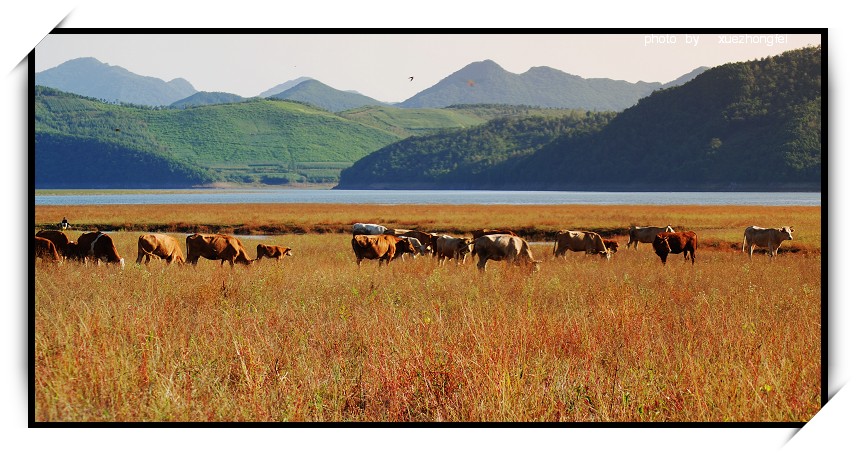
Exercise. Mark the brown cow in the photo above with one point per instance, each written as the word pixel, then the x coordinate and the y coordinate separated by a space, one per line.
pixel 160 246
pixel 503 247
pixel 381 247
pixel 271 251
pixel 682 241
pixel 221 247
pixel 46 250
pixel 429 240
pixel 63 244
pixel 98 246
pixel 611 245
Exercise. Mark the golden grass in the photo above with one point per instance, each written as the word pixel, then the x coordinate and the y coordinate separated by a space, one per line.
pixel 315 338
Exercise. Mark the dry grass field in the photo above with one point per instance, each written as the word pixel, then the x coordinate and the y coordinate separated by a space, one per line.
pixel 315 338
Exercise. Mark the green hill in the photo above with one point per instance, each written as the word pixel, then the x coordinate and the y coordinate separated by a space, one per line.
pixel 207 98
pixel 421 121
pixel 252 142
pixel 466 158
pixel 752 125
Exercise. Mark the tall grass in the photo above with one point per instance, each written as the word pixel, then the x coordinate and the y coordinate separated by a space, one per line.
pixel 316 338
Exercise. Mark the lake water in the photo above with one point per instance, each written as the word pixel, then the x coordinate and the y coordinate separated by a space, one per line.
pixel 485 197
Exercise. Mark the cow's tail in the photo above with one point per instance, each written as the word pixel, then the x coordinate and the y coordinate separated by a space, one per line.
pixel 555 243
pixel 743 247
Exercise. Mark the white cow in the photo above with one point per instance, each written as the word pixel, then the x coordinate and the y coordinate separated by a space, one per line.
pixel 646 234
pixel 368 228
pixel 769 238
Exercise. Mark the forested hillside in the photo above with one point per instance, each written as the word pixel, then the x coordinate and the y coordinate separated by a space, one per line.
pixel 465 158
pixel 749 125
pixel 752 125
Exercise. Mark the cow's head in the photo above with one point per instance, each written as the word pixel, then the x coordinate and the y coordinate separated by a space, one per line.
pixel 288 251
pixel 404 246
pixel 788 232
pixel 465 246
pixel 661 245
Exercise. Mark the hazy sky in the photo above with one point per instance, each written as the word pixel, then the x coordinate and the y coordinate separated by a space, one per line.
pixel 380 66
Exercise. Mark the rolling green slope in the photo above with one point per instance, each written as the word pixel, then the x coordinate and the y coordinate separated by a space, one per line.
pixel 251 142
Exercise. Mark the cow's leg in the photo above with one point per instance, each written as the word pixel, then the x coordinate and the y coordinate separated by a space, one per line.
pixel 140 257
pixel 482 262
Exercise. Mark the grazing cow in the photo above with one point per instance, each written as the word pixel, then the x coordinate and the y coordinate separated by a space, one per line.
pixel 221 247
pixel 429 240
pixel 381 247
pixel 503 247
pixel 646 234
pixel 46 250
pixel 482 232
pixel 580 241
pixel 98 246
pixel 454 248
pixel 685 242
pixel 395 231
pixel 768 238
pixel 62 243
pixel 418 248
pixel 612 246
pixel 271 251
pixel 368 228
pixel 160 246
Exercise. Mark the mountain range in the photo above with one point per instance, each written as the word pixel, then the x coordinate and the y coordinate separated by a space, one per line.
pixel 477 83
pixel 755 125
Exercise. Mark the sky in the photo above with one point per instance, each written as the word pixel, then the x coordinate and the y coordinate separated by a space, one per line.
pixel 380 65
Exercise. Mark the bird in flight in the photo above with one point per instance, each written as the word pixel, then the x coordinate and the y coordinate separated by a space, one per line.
pixel 411 78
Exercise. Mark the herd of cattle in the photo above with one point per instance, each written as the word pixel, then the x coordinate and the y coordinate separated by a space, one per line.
pixel 376 242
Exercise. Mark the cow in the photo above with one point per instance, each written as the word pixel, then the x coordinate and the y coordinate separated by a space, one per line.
pixel 381 247
pixel 221 247
pixel 98 246
pixel 368 228
pixel 160 246
pixel 453 248
pixel 502 247
pixel 62 243
pixel 45 249
pixel 395 231
pixel 646 234
pixel 611 245
pixel 768 238
pixel 428 240
pixel 401 250
pixel 685 242
pixel 580 241
pixel 271 251
pixel 483 232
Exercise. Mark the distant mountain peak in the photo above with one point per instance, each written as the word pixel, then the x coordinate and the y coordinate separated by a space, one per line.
pixel 90 77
